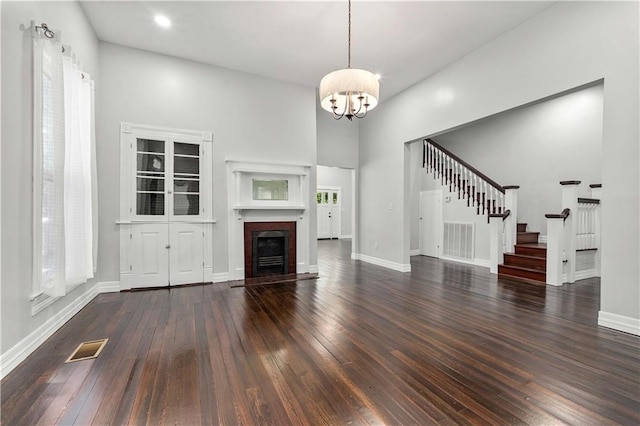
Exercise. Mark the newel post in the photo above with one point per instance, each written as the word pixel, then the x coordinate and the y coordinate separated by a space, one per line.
pixel 570 201
pixel 511 222
pixel 555 240
pixel 495 242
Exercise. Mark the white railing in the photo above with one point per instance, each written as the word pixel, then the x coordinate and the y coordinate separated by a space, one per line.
pixel 587 224
pixel 481 192
pixel 573 243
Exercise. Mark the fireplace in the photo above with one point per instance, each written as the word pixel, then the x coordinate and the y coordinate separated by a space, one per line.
pixel 269 249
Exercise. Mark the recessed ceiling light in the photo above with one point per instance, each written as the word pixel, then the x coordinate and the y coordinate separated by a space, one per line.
pixel 163 21
pixel 378 76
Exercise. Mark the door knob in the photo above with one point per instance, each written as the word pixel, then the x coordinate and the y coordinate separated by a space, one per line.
pixel 168 246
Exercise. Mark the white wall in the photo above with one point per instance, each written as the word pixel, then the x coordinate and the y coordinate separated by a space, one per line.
pixel 536 147
pixel 17 125
pixel 148 88
pixel 339 177
pixel 337 141
pixel 565 46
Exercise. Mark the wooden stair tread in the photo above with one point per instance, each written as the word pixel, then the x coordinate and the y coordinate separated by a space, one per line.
pixel 536 276
pixel 533 245
pixel 526 256
pixel 521 268
pixel 528 233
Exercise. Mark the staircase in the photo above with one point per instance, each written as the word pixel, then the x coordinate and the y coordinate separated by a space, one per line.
pixel 479 190
pixel 529 262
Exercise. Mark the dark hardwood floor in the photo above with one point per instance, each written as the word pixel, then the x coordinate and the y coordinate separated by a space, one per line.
pixel 447 343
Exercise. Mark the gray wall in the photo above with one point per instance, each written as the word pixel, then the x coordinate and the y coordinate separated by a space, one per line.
pixel 147 88
pixel 335 176
pixel 337 141
pixel 17 168
pixel 565 46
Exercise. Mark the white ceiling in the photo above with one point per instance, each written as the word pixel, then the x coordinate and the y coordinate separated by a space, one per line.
pixel 302 41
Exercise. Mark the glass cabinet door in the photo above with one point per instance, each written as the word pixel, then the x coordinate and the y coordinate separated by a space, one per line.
pixel 167 178
pixel 186 179
pixel 150 177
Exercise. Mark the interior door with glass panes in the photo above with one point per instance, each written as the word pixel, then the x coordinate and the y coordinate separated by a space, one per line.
pixel 329 213
pixel 324 214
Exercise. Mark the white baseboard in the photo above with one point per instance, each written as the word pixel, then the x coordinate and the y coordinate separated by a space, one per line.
pixel 542 239
pixel 20 351
pixel 345 236
pixel 476 262
pixel 313 269
pixel 619 322
pixel 220 277
pixel 588 273
pixel 109 286
pixel 415 252
pixel 382 262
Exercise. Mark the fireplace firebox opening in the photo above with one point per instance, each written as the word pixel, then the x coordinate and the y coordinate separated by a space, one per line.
pixel 270 253
pixel 269 249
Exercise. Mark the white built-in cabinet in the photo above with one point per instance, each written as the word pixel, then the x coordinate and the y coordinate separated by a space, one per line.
pixel 166 222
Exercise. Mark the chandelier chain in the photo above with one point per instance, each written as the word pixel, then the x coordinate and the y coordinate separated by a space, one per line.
pixel 349 50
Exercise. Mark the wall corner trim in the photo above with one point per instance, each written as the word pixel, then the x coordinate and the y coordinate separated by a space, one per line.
pixel 619 322
pixel 400 267
pixel 20 351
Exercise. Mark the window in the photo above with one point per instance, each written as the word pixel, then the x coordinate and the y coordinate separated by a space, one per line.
pixel 64 170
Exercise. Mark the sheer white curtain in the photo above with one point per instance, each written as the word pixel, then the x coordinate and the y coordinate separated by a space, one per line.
pixel 51 161
pixel 77 174
pixel 64 157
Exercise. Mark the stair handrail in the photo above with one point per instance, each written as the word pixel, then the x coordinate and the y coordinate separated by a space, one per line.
pixel 564 215
pixel 504 215
pixel 475 171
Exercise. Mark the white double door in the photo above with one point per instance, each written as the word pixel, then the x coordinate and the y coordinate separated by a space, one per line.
pixel 329 202
pixel 167 254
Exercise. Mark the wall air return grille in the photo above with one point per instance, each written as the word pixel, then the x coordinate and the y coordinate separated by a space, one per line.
pixel 458 240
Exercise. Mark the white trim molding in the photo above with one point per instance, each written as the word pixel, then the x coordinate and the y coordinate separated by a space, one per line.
pixel 415 252
pixel 19 352
pixel 475 262
pixel 587 273
pixel 382 262
pixel 313 269
pixel 619 322
pixel 220 277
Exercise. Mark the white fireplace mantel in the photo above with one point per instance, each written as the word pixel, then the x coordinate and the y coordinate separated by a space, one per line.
pixel 243 208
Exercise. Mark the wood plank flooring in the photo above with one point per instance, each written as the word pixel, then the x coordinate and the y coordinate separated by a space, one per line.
pixel 447 343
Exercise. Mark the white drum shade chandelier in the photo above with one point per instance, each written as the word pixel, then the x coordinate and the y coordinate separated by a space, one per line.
pixel 349 92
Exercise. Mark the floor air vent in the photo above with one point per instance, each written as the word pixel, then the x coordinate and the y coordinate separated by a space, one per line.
pixel 87 350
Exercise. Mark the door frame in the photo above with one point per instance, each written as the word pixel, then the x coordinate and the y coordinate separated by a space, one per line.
pixel 337 189
pixel 438 219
